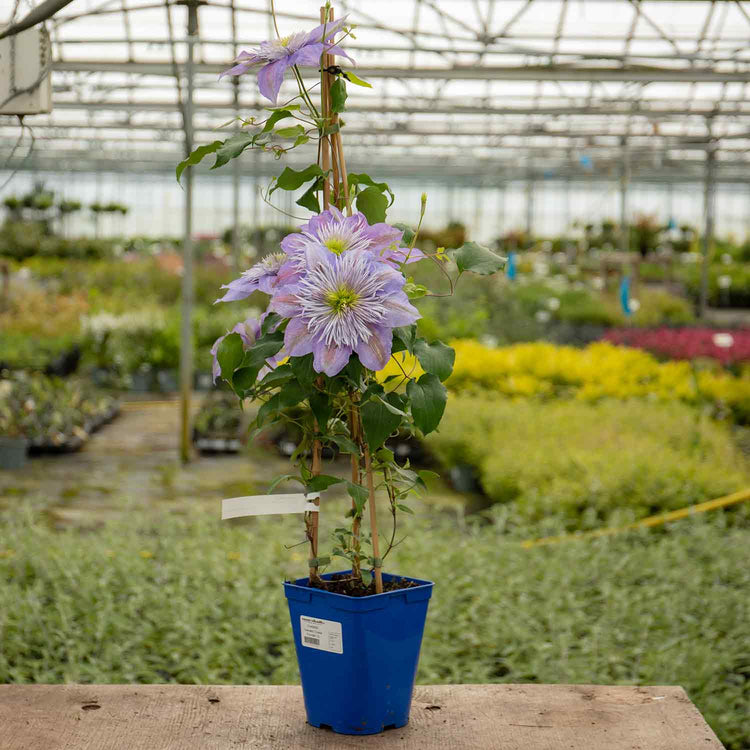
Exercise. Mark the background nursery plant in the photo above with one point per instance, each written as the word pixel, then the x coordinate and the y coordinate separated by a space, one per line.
pixel 340 308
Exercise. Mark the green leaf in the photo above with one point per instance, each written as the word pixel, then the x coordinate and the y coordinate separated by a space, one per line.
pixel 291 179
pixel 366 577
pixel 301 140
pixel 278 114
pixel 353 371
pixel 197 156
pixel 294 132
pixel 279 375
pixel 262 349
pixel 478 259
pixel 436 358
pixel 322 482
pixel 428 396
pixel 230 355
pixel 359 494
pixel 404 508
pixel 404 338
pixel 356 80
pixel 345 444
pixel 361 178
pixel 338 95
pixel 415 291
pixel 269 408
pixel 269 322
pixel 373 204
pixel 385 455
pixel 408 233
pixel 244 379
pixel 232 148
pixel 309 199
pixel 392 408
pixel 378 422
pixel 291 394
pixel 321 408
pixel 303 369
pixel 278 480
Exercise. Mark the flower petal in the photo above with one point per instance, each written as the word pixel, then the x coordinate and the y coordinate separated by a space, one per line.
pixel 376 351
pixel 330 359
pixel 270 78
pixel 334 49
pixel 298 341
pixel 284 301
pixel 308 56
pixel 330 28
pixel 399 311
pixel 238 289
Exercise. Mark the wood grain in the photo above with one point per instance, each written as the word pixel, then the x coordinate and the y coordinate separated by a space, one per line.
pixel 449 717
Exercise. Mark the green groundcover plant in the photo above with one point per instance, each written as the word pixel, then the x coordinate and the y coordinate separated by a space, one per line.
pixel 663 607
pixel 340 304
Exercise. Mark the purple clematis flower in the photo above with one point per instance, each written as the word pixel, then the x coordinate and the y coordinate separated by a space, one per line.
pixel 332 232
pixel 263 276
pixel 346 303
pixel 303 48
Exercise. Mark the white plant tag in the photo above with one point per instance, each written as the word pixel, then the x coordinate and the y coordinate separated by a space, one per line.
pixel 325 635
pixel 266 505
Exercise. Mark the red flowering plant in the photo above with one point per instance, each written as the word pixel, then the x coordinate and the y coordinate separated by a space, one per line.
pixel 726 347
pixel 340 304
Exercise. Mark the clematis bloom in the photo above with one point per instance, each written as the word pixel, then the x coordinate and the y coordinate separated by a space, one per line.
pixel 277 55
pixel 332 232
pixel 262 277
pixel 345 304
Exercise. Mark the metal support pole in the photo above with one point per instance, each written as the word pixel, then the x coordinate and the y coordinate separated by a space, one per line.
pixel 478 197
pixel 500 209
pixel 624 183
pixel 709 205
pixel 236 240
pixel 186 323
pixel 529 203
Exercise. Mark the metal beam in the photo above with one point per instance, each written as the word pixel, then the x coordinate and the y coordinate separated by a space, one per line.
pixel 442 107
pixel 646 74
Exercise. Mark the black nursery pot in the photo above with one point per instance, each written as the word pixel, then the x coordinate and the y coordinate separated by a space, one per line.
pixel 13 452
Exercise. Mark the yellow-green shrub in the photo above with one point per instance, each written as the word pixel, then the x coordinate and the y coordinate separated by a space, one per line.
pixel 610 461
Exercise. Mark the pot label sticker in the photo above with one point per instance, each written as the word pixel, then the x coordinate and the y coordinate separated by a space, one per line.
pixel 325 635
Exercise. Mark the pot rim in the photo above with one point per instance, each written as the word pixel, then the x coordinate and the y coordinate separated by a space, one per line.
pixel 424 586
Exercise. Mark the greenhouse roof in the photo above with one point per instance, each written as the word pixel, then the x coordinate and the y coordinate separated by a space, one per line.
pixel 476 89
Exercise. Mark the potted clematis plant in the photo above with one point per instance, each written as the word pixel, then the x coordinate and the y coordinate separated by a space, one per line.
pixel 340 309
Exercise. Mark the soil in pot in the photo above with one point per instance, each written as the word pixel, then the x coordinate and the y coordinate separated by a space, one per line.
pixel 341 583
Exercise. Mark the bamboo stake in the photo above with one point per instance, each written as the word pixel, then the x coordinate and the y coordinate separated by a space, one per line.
pixel 374 524
pixel 325 102
pixel 356 479
pixel 339 147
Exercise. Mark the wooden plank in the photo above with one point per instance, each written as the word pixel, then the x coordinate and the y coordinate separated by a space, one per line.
pixel 455 717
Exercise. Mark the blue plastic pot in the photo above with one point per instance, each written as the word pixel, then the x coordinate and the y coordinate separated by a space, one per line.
pixel 358 655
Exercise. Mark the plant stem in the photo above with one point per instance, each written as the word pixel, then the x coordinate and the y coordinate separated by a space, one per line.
pixel 373 523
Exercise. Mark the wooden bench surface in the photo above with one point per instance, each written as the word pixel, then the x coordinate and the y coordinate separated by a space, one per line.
pixel 450 717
